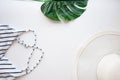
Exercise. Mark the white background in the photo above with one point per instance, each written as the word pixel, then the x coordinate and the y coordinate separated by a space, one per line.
pixel 60 41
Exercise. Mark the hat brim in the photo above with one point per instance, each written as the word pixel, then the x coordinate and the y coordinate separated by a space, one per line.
pixel 93 51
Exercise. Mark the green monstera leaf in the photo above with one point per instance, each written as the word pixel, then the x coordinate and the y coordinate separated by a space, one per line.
pixel 65 10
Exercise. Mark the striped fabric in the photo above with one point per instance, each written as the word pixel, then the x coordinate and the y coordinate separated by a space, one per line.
pixel 7 70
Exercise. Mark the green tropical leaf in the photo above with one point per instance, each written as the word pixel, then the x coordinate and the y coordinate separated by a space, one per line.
pixel 43 0
pixel 65 10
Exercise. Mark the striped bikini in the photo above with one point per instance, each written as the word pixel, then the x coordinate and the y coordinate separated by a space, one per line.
pixel 7 69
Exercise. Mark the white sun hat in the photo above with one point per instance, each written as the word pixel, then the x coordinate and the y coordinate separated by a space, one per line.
pixel 99 58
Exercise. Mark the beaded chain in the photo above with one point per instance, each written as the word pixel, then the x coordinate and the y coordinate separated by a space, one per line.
pixel 28 70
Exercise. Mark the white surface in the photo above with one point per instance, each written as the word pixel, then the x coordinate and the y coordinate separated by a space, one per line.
pixel 60 40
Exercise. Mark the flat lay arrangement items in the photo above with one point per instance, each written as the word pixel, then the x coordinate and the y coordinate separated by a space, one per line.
pixel 61 27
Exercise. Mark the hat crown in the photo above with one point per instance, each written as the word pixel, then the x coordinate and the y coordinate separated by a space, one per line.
pixel 109 67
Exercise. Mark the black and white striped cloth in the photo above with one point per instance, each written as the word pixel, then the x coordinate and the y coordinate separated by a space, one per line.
pixel 7 70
